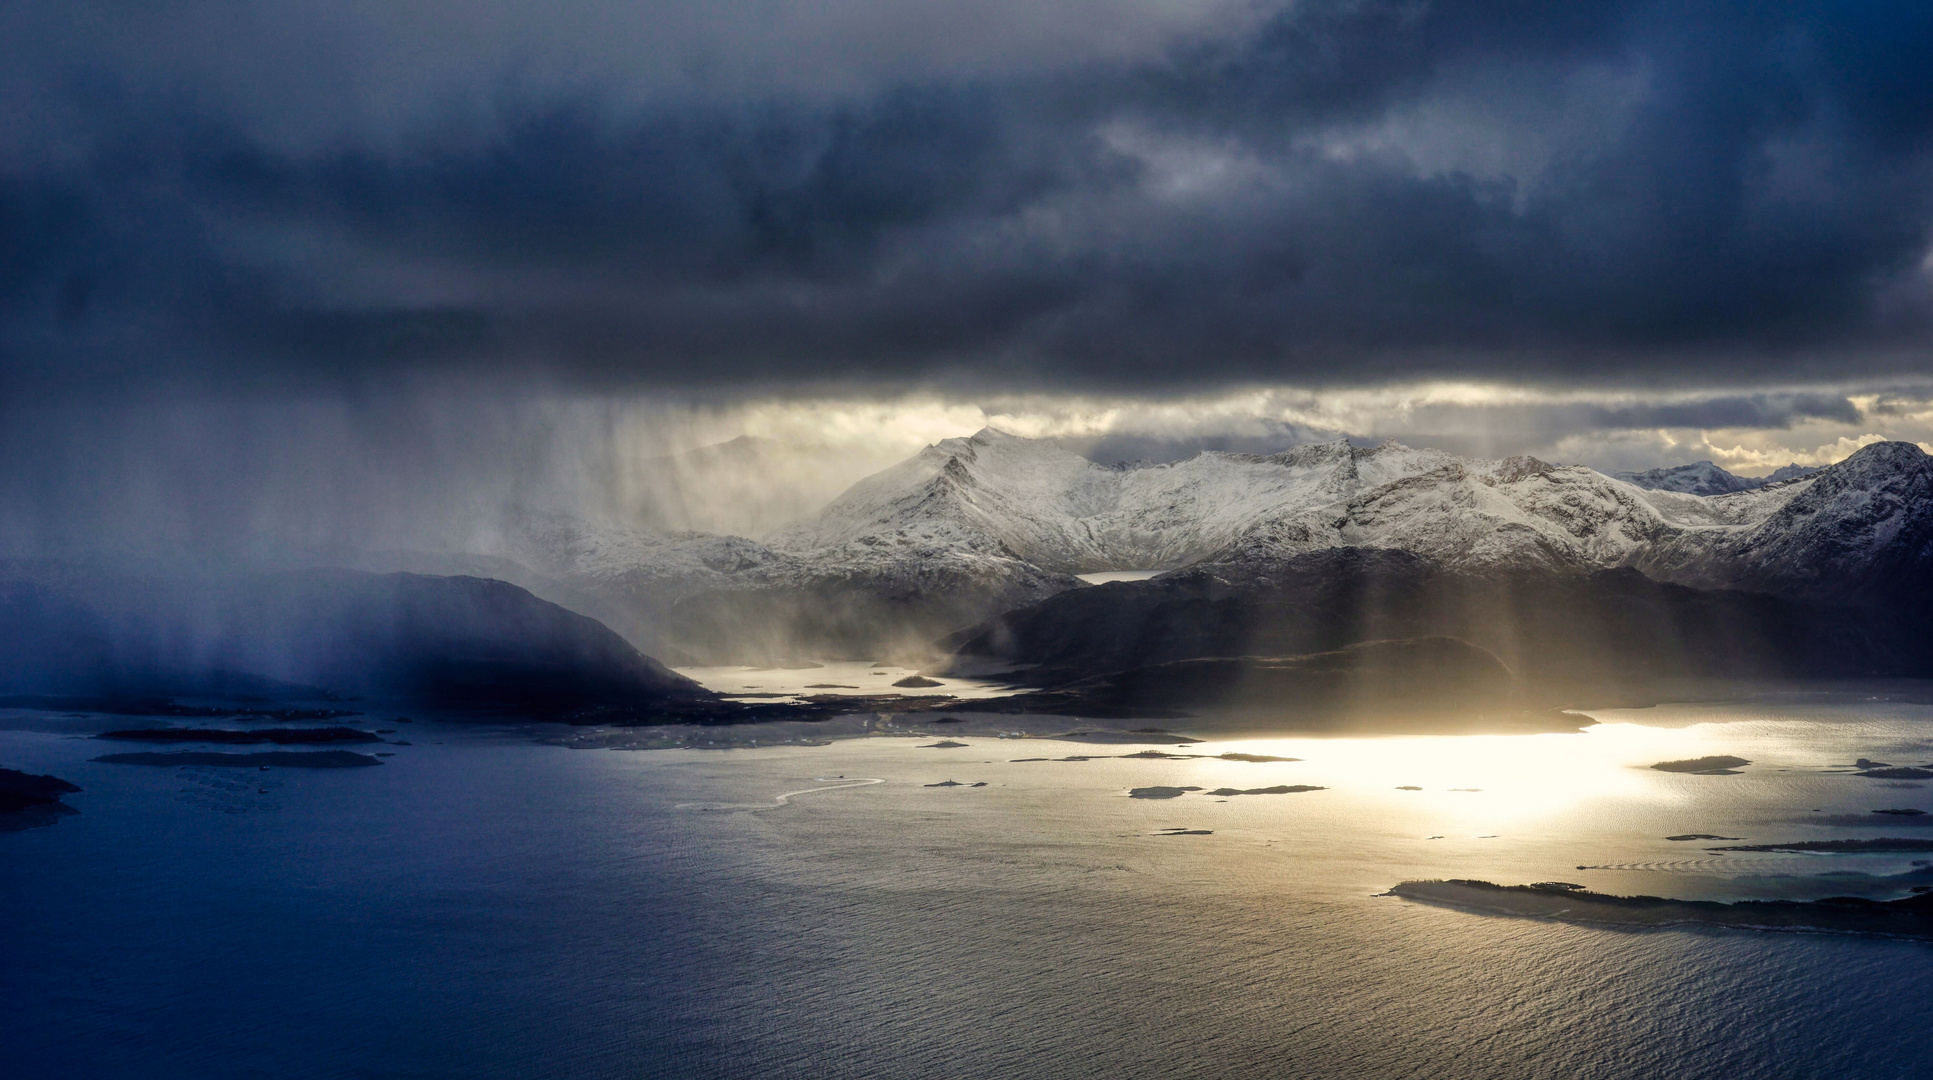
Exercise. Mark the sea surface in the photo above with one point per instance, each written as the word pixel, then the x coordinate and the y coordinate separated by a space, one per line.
pixel 483 905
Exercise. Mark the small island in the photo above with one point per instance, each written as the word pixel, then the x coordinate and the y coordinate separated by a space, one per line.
pixel 1717 765
pixel 229 737
pixel 283 759
pixel 1878 845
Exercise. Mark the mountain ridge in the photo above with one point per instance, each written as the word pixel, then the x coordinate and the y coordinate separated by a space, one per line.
pixel 973 526
pixel 1705 478
pixel 1031 500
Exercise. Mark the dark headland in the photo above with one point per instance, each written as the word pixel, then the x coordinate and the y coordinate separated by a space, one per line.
pixel 1909 917
pixel 28 801
pixel 99 641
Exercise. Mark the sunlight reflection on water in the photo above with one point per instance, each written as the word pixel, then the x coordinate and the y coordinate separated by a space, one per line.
pixel 840 677
pixel 481 906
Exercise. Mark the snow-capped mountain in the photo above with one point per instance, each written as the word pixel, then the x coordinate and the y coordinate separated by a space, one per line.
pixel 1028 499
pixel 974 526
pixel 1705 478
pixel 1698 478
pixel 1033 500
pixel 1517 512
pixel 1856 528
pixel 1012 497
pixel 1790 472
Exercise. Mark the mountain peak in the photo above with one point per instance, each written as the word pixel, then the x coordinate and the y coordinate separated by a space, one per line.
pixel 1891 452
pixel 1874 467
pixel 987 436
pixel 1790 471
pixel 1310 453
pixel 1698 478
pixel 1521 467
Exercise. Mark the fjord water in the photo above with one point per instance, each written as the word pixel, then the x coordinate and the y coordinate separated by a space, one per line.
pixel 485 906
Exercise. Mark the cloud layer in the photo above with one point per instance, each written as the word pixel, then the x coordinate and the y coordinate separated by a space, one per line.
pixel 256 198
pixel 279 274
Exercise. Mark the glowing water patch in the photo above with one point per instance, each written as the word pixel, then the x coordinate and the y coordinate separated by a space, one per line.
pixel 1106 576
pixel 845 678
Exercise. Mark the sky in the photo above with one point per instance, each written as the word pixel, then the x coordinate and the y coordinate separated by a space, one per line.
pixel 268 260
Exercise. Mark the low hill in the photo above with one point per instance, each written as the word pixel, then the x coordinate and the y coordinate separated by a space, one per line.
pixel 442 640
pixel 1560 632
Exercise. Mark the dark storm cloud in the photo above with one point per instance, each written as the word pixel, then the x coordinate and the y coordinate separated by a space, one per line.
pixel 1338 192
pixel 1728 411
pixel 1755 411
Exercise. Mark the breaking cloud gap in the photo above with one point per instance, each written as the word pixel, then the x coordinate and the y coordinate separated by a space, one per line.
pixel 307 480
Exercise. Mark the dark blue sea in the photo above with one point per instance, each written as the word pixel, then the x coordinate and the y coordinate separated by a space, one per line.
pixel 485 906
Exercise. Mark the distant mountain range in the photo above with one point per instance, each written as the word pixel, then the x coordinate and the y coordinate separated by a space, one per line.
pixel 1018 498
pixel 973 527
pixel 1275 567
pixel 1704 478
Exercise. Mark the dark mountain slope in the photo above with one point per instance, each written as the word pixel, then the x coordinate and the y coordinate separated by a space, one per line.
pixel 1556 631
pixel 449 640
